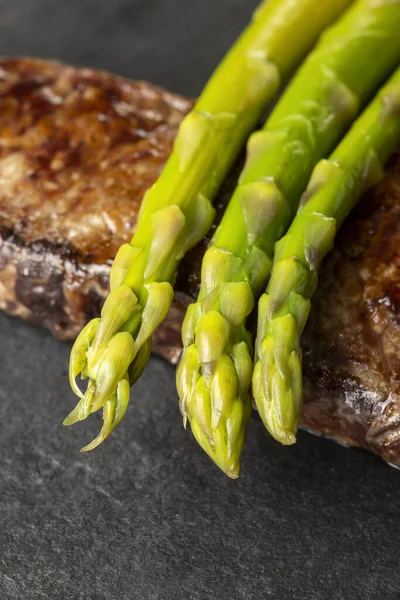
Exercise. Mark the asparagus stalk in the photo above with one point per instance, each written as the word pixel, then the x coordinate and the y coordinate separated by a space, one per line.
pixel 177 211
pixel 335 187
pixel 213 379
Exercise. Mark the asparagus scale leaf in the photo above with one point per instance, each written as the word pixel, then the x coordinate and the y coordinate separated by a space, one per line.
pixel 177 211
pixel 335 187
pixel 354 56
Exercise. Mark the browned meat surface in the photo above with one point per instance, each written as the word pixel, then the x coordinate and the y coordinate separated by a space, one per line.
pixel 78 148
pixel 352 342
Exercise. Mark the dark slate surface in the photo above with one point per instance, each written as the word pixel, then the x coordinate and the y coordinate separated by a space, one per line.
pixel 147 516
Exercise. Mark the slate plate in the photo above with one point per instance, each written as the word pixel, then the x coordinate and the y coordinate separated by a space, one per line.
pixel 147 516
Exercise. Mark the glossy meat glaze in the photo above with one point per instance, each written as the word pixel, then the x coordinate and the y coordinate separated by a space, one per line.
pixel 78 148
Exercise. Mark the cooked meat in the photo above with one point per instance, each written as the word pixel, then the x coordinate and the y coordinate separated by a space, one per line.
pixel 352 342
pixel 79 147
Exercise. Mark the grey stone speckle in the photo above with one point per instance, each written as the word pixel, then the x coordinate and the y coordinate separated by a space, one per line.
pixel 148 516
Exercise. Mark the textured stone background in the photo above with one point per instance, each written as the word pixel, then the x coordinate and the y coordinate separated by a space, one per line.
pixel 147 516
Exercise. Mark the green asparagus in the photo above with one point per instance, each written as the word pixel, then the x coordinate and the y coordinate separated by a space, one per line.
pixel 335 187
pixel 213 379
pixel 177 211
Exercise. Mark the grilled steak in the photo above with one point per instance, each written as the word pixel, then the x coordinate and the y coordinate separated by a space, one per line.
pixel 352 341
pixel 79 147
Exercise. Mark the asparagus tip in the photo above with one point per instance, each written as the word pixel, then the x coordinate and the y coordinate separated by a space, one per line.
pixel 72 418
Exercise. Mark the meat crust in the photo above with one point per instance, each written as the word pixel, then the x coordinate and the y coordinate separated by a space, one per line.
pixel 351 344
pixel 78 148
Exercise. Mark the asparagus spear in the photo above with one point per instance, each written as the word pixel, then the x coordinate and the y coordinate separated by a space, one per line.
pixel 335 187
pixel 213 379
pixel 177 211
